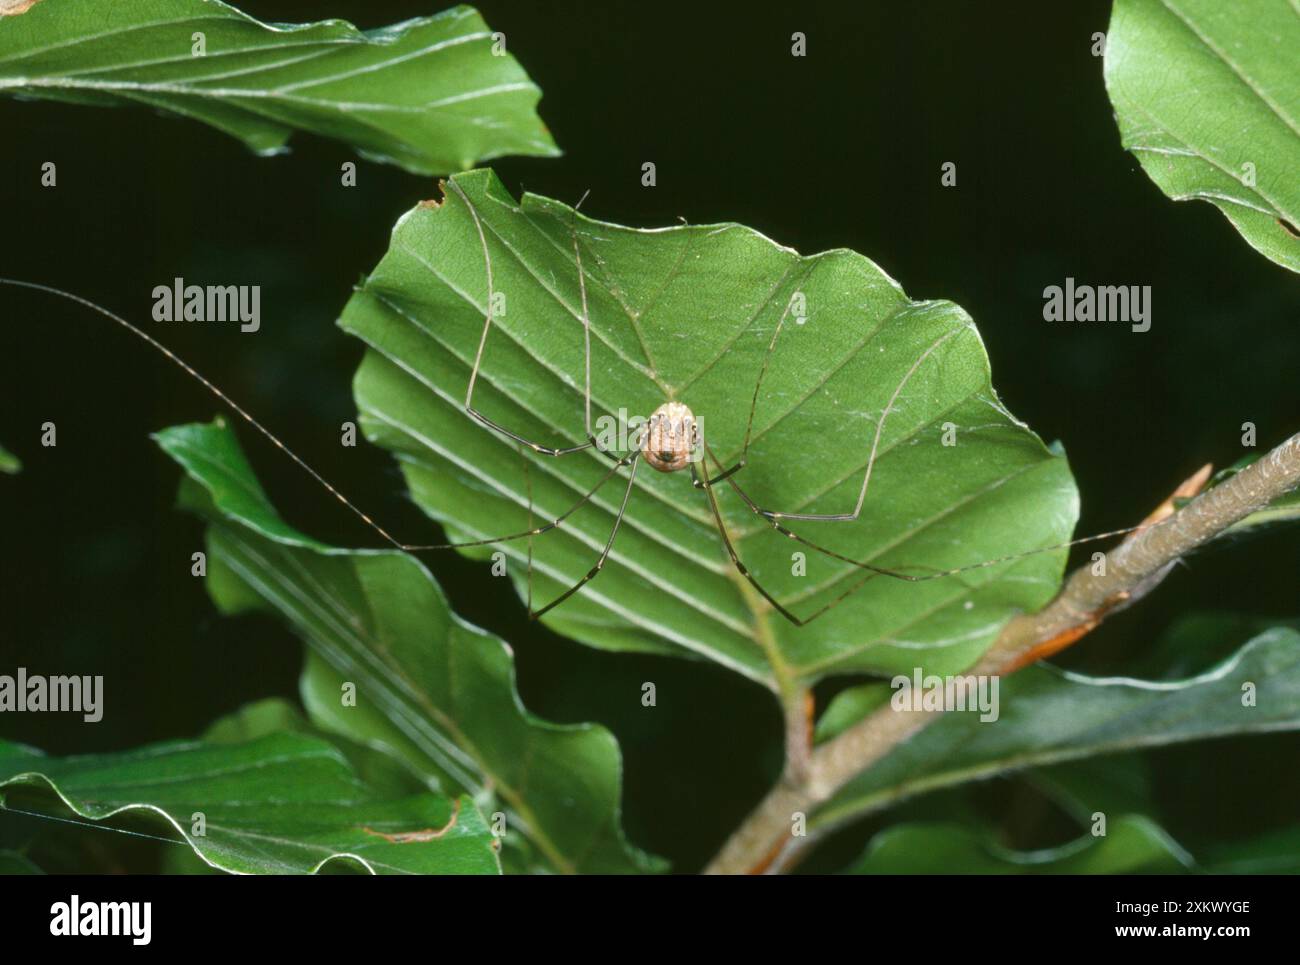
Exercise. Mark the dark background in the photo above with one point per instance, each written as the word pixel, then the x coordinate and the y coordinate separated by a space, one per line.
pixel 841 148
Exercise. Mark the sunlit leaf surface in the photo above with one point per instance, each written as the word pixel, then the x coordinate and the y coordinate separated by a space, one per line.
pixel 1207 97
pixel 432 691
pixel 428 94
pixel 281 804
pixel 687 313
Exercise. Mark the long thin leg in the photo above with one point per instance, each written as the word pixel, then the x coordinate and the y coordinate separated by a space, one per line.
pixel 871 571
pixel 591 442
pixel 604 553
pixel 528 488
pixel 753 404
pixel 702 477
pixel 586 329
pixel 758 383
pixel 586 326
pixel 880 425
pixel 538 530
pixel 774 516
pixel 875 447
pixel 221 396
pixel 725 474
pixel 754 508
pixel 302 463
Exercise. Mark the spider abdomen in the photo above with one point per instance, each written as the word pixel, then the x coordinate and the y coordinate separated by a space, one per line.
pixel 670 437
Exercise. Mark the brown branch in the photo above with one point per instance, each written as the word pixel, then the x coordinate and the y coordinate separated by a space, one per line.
pixel 1132 569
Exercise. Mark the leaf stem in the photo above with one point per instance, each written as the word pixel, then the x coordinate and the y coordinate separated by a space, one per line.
pixel 763 841
pixel 794 696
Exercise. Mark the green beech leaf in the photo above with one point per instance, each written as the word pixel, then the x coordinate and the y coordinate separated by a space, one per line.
pixel 1117 784
pixel 9 462
pixel 432 691
pixel 1132 845
pixel 1273 853
pixel 848 707
pixel 1049 715
pixel 273 715
pixel 378 770
pixel 281 804
pixel 1198 641
pixel 1206 97
pixel 686 313
pixel 428 94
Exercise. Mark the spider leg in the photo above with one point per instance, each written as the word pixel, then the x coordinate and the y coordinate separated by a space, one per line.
pixel 875 442
pixel 586 331
pixel 604 553
pixel 753 406
pixel 785 531
pixel 758 385
pixel 704 482
pixel 932 573
pixel 320 479
pixel 528 487
pixel 220 396
pixel 532 530
pixel 725 474
pixel 872 571
pixel 591 442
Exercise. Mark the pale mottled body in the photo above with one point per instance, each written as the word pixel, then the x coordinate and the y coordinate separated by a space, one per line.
pixel 670 438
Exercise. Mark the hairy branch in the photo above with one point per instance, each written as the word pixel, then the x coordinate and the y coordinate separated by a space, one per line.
pixel 1132 569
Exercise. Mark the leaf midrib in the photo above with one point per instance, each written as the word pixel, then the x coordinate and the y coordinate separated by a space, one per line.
pixel 694 644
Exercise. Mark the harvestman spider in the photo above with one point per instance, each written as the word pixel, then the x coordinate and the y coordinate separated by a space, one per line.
pixel 670 440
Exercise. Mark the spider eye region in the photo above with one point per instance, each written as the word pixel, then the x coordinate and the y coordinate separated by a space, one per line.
pixel 670 438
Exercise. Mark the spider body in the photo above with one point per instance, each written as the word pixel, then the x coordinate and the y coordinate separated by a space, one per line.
pixel 671 437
